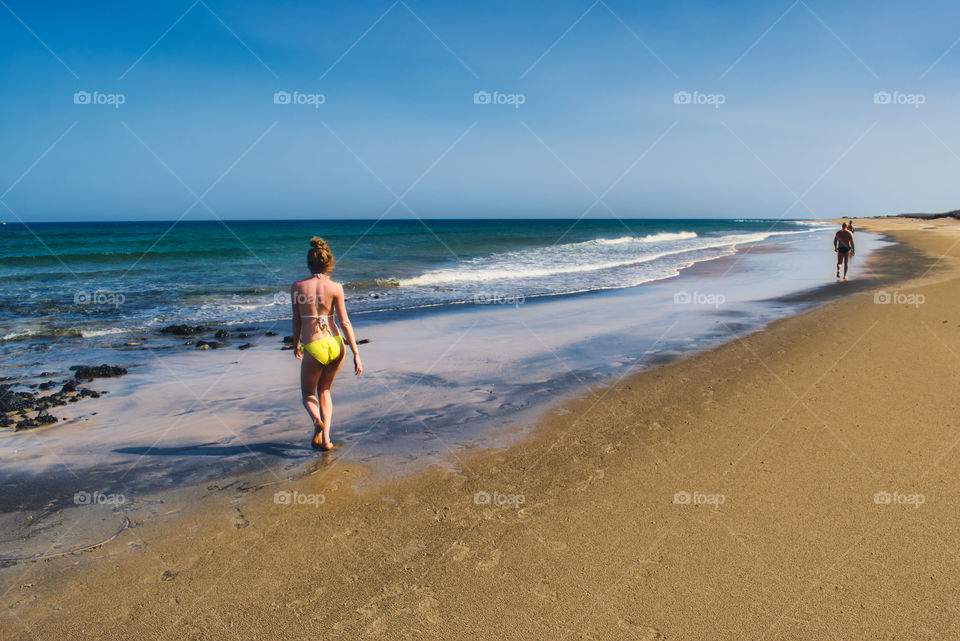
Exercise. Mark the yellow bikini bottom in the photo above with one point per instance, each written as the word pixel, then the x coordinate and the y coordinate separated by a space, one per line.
pixel 325 350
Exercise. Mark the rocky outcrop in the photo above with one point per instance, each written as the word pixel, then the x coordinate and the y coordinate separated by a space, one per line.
pixel 90 372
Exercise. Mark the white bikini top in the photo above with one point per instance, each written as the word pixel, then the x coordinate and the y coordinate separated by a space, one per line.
pixel 322 322
pixel 321 318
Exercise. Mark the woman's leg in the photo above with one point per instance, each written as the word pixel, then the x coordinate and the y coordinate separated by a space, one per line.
pixel 310 372
pixel 324 384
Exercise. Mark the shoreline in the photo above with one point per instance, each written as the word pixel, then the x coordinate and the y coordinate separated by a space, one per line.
pixel 99 475
pixel 421 544
pixel 176 473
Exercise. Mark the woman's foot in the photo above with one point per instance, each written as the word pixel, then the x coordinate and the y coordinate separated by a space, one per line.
pixel 317 442
pixel 326 446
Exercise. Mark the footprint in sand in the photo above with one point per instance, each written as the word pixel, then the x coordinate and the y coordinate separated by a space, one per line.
pixel 640 631
pixel 297 605
pixel 371 607
pixel 493 561
pixel 368 609
pixel 596 476
pixel 544 592
pixel 525 512
pixel 459 551
pixel 427 609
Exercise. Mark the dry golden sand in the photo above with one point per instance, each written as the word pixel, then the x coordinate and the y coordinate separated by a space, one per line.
pixel 798 428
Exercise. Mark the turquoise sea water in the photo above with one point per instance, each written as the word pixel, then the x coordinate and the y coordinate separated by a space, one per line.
pixel 88 280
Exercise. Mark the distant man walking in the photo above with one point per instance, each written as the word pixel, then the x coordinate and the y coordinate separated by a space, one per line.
pixel 843 245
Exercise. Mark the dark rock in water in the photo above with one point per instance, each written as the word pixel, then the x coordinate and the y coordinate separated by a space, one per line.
pixel 189 342
pixel 47 385
pixel 84 391
pixel 6 421
pixel 288 340
pixel 246 346
pixel 47 374
pixel 207 345
pixel 363 341
pixel 222 334
pixel 269 333
pixel 86 372
pixel 68 386
pixel 11 401
pixel 243 335
pixel 183 330
pixel 46 402
pixel 38 421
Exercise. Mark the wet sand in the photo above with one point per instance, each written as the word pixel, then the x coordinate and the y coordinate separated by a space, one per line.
pixel 794 483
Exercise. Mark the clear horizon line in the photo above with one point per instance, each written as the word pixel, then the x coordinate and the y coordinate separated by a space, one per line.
pixel 422 218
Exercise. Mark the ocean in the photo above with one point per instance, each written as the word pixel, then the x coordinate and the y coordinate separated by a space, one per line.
pixel 63 281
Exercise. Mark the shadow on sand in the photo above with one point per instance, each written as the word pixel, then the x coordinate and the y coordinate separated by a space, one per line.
pixel 279 450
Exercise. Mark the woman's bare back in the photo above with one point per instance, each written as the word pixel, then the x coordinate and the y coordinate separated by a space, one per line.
pixel 315 298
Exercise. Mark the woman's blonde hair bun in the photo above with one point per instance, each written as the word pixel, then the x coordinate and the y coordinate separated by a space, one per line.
pixel 319 258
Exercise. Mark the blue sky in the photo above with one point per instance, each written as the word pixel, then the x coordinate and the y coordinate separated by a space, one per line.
pixel 600 133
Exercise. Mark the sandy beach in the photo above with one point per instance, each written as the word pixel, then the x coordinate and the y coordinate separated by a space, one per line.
pixel 793 483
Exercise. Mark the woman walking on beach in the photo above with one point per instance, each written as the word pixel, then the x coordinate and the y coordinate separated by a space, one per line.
pixel 318 308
